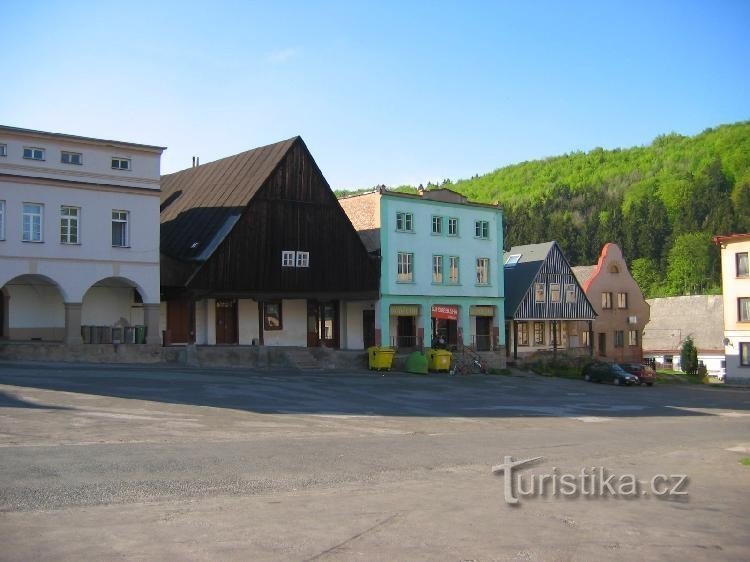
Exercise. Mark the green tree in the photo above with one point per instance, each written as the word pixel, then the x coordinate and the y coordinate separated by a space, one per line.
pixel 689 264
pixel 689 356
pixel 646 273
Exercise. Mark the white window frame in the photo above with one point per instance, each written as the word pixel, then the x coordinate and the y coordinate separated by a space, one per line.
pixel 606 300
pixel 2 220
pixel 405 220
pixel 522 331
pixel 454 267
pixel 622 301
pixel 512 260
pixel 302 259
pixel 482 230
pixel 288 258
pixel 437 269
pixel 31 216
pixel 742 258
pixel 452 226
pixel 69 220
pixel 743 312
pixel 68 157
pixel 570 294
pixel 126 222
pixel 405 267
pixel 632 337
pixel 437 225
pixel 35 153
pixel 540 292
pixel 3 149
pixel 117 161
pixel 483 271
pixel 555 292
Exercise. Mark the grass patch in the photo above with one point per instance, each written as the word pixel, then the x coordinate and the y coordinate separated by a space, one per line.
pixel 678 377
pixel 557 370
pixel 501 372
pixel 745 461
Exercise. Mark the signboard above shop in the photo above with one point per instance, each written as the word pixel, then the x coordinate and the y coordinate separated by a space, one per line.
pixel 444 312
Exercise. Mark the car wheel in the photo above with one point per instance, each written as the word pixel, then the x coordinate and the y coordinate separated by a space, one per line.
pixel 617 382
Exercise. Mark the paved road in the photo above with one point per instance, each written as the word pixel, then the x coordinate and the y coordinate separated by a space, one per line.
pixel 157 463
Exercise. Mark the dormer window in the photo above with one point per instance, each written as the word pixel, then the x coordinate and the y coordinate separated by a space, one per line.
pixel 512 260
pixel 32 153
pixel 120 163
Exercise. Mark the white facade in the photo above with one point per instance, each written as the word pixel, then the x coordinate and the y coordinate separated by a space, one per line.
pixel 64 261
pixel 735 280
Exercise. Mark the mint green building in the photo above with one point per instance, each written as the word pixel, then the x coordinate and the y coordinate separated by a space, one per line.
pixel 441 269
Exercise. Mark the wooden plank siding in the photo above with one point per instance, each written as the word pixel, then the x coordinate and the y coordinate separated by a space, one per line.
pixel 555 269
pixel 295 210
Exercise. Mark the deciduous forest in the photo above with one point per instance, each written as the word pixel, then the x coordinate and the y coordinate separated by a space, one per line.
pixel 661 203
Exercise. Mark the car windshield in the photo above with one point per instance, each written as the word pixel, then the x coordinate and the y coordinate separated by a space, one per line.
pixel 618 369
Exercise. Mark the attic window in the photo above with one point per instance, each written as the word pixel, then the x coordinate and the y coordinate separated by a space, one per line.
pixel 287 258
pixel 194 245
pixel 512 260
pixel 614 268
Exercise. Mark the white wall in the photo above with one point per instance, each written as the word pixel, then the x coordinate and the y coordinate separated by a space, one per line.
pixel 294 322
pixel 353 326
pixel 35 306
pixel 109 306
pixel 247 312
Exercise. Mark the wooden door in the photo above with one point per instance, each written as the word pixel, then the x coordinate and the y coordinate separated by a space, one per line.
pixel 484 333
pixel 226 321
pixel 368 328
pixel 179 321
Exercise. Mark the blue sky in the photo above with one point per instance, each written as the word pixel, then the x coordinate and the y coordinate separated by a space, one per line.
pixel 381 92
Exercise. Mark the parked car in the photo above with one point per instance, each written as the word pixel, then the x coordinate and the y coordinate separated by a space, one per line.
pixel 646 375
pixel 608 372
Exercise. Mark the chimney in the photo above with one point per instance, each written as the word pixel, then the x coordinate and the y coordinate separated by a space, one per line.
pixel 197 160
pixel 193 161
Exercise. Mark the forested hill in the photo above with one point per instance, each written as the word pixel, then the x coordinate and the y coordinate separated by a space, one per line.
pixel 662 203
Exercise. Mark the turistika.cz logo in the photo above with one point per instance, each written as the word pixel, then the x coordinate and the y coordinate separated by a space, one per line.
pixel 590 482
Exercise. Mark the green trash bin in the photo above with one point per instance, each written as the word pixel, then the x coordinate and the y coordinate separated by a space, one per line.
pixel 439 360
pixel 416 363
pixel 380 358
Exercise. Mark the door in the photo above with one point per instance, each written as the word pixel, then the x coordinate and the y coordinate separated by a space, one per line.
pixel 406 334
pixel 313 321
pixel 226 321
pixel 602 344
pixel 322 323
pixel 179 321
pixel 368 328
pixel 484 333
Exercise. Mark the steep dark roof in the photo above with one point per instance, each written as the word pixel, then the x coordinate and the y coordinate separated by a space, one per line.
pixel 200 205
pixel 518 278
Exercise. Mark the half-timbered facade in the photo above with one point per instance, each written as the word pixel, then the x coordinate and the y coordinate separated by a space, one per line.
pixel 257 251
pixel 546 308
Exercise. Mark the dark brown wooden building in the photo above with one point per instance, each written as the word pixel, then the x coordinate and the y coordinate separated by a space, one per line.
pixel 256 250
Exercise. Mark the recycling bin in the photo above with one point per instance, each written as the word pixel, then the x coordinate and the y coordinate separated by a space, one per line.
pixel 380 358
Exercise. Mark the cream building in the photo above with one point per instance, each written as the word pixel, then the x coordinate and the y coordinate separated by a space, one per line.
pixel 735 280
pixel 79 238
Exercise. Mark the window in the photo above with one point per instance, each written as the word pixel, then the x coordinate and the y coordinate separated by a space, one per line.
pixel 619 338
pixel 540 292
pixel 483 271
pixel 272 319
pixel 32 222
pixel 585 338
pixel 405 267
pixel 2 220
pixel 453 226
pixel 606 300
pixel 405 222
pixel 523 333
pixel 622 300
pixel 632 337
pixel 437 225
pixel 71 157
pixel 31 153
pixel 69 224
pixel 120 163
pixel 453 270
pixel 742 264
pixel 512 260
pixel 744 354
pixel 437 269
pixel 3 150
pixel 287 258
pixel 743 305
pixel 303 259
pixel 570 294
pixel 554 292
pixel 120 229
pixel 538 333
pixel 482 229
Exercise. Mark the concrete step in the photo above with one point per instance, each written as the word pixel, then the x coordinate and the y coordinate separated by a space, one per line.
pixel 303 360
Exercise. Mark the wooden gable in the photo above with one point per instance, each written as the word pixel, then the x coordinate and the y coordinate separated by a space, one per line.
pixel 554 269
pixel 294 210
